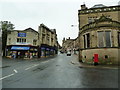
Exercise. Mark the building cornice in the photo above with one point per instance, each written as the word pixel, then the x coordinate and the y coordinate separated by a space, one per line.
pixel 99 10
pixel 100 23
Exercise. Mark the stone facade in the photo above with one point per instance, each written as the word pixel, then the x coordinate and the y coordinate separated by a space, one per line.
pixel 70 44
pixel 47 41
pixel 47 36
pixel 22 43
pixel 90 15
pixel 30 43
pixel 31 37
pixel 99 33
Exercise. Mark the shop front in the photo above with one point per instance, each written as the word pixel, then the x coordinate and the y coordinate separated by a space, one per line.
pixel 47 50
pixel 25 52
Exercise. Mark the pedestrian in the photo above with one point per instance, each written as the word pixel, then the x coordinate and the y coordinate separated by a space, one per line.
pixel 31 56
pixel 14 55
pixel 18 54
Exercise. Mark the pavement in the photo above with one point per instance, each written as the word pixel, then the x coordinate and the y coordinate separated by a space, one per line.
pixel 84 65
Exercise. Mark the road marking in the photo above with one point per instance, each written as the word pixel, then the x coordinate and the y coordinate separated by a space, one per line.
pixel 45 61
pixel 15 71
pixel 7 76
pixel 31 66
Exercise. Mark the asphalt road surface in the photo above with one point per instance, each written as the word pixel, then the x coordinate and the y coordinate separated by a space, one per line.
pixel 55 72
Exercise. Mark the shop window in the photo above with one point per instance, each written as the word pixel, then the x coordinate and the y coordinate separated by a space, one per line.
pixel 104 39
pixel 119 39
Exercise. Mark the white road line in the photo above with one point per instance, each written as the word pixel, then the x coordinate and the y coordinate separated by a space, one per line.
pixel 45 61
pixel 7 76
pixel 31 66
pixel 15 71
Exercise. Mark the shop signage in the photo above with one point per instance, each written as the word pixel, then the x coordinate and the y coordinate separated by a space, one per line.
pixel 21 34
pixel 19 48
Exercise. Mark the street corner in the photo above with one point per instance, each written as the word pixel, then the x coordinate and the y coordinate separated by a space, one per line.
pixel 75 62
pixel 83 65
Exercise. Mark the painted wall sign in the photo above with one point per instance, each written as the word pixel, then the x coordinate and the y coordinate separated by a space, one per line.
pixel 21 34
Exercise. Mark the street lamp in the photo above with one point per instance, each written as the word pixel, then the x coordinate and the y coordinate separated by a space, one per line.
pixel 74 41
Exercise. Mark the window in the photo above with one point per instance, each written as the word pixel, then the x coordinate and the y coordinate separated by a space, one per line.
pixel 90 20
pixel 9 40
pixel 86 40
pixel 107 39
pixel 104 39
pixel 34 42
pixel 119 39
pixel 43 38
pixel 21 40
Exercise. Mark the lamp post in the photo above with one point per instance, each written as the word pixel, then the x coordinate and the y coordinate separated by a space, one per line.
pixel 79 52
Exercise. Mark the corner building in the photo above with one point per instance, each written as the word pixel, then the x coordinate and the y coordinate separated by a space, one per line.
pixel 99 33
pixel 22 43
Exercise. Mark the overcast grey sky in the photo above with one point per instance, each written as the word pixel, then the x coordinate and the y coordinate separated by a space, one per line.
pixel 55 14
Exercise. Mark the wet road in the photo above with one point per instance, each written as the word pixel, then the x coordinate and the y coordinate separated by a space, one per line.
pixel 57 72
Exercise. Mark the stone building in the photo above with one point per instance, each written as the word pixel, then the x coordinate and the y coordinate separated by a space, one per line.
pixel 47 41
pixel 22 43
pixel 99 33
pixel 76 44
pixel 30 43
pixel 69 44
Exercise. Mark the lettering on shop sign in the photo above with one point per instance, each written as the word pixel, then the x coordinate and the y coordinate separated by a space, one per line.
pixel 21 34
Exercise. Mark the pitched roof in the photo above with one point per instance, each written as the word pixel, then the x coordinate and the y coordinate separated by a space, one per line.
pixel 98 6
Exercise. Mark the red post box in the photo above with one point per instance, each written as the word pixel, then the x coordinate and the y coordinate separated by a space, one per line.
pixel 96 59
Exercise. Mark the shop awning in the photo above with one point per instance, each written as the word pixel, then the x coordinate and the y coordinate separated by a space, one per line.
pixel 19 48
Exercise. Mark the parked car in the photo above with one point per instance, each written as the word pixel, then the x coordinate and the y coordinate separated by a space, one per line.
pixel 68 53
